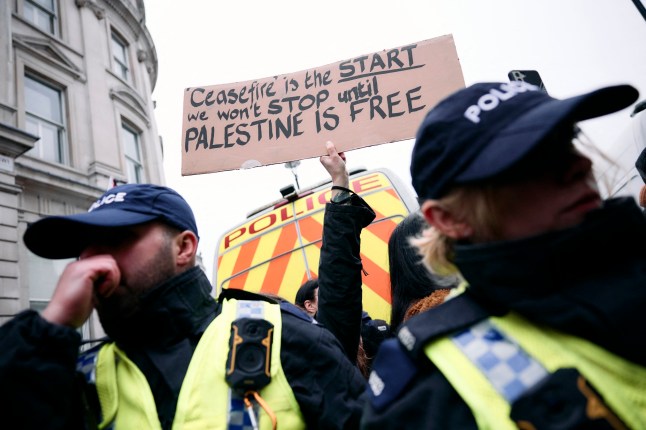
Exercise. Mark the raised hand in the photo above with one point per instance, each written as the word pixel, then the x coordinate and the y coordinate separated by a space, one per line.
pixel 334 163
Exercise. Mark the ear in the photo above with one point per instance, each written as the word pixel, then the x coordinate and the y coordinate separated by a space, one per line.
pixel 445 221
pixel 309 306
pixel 186 243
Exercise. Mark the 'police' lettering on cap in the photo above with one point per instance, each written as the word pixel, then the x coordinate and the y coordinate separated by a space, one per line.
pixel 122 206
pixel 494 97
pixel 483 130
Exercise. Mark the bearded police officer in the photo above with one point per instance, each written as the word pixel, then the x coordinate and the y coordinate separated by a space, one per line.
pixel 175 357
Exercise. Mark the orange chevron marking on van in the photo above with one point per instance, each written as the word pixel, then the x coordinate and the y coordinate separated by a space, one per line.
pixel 276 250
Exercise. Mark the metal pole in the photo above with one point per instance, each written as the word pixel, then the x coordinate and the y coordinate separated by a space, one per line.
pixel 298 187
pixel 292 165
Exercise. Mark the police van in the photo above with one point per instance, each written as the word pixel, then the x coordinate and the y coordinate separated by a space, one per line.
pixel 276 249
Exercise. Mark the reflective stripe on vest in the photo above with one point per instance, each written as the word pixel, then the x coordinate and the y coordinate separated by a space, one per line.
pixel 501 360
pixel 620 382
pixel 127 401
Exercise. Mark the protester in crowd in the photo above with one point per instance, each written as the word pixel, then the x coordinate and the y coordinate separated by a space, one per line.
pixel 413 289
pixel 307 297
pixel 340 303
pixel 549 332
pixel 173 349
pixel 373 332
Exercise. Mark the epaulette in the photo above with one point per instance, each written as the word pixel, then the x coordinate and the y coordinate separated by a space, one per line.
pixel 392 370
pixel 396 363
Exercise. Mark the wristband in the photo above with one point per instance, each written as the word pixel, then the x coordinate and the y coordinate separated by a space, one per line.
pixel 344 196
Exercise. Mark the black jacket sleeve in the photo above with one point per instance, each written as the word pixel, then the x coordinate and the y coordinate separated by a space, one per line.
pixel 340 298
pixel 38 374
pixel 330 390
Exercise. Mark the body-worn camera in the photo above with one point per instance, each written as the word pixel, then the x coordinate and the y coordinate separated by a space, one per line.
pixel 249 359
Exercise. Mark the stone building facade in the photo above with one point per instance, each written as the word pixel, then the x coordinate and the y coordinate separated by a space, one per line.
pixel 76 116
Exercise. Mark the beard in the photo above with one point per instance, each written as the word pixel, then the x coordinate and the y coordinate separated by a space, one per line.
pixel 125 315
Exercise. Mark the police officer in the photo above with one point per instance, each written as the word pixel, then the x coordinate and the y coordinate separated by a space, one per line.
pixel 548 332
pixel 175 357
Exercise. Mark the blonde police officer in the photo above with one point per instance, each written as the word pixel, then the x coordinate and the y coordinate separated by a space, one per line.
pixel 549 331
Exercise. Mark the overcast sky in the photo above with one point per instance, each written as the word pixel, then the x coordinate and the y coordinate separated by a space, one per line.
pixel 576 45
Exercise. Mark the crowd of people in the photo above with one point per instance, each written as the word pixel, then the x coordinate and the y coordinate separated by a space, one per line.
pixel 516 294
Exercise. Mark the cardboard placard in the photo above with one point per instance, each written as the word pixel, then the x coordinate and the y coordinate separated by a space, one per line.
pixel 367 100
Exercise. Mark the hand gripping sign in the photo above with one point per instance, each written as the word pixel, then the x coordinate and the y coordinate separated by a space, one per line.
pixel 367 100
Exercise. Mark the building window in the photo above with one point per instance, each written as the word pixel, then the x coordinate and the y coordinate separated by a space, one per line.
pixel 45 118
pixel 120 64
pixel 134 167
pixel 41 13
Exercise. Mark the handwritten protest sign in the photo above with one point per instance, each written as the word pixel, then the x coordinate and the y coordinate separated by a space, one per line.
pixel 368 100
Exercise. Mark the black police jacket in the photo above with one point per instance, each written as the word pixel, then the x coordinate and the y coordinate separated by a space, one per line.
pixel 589 281
pixel 41 388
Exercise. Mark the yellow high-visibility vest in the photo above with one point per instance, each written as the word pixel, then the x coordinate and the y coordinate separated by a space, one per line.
pixel 205 398
pixel 621 383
